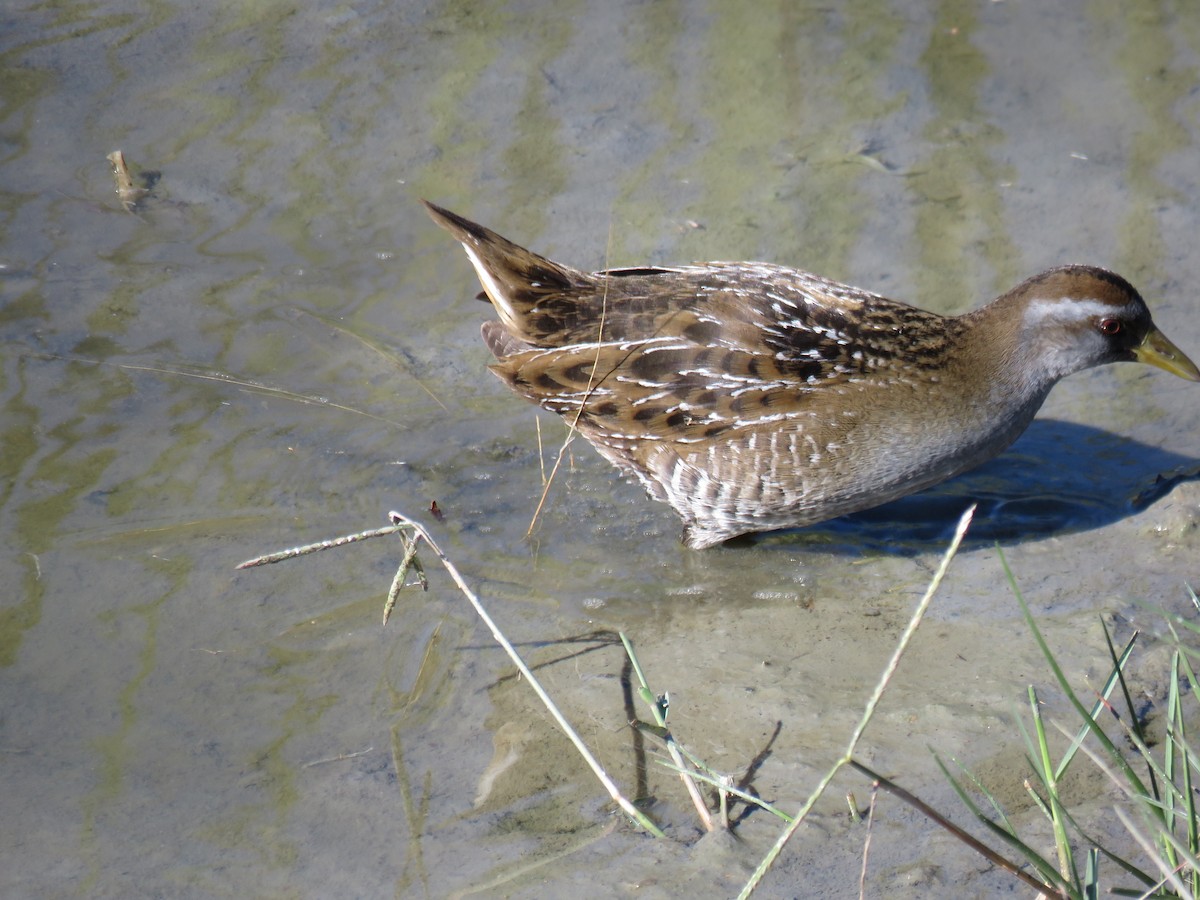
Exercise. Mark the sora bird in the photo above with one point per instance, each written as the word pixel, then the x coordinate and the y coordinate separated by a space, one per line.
pixel 752 397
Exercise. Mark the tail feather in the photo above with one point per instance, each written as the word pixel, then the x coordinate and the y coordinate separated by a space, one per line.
pixel 513 278
pixel 501 342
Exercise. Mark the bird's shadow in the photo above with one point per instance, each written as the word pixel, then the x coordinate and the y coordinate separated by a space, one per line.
pixel 1059 478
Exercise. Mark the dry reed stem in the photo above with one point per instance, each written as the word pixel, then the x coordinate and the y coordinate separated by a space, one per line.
pixel 866 851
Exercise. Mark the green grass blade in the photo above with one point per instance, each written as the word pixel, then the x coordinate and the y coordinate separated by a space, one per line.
pixel 1062 844
pixel 1091 876
pixel 1109 748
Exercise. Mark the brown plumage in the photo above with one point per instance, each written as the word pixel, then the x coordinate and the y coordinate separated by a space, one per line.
pixel 752 397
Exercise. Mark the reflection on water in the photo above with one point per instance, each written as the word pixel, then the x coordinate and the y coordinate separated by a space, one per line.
pixel 277 346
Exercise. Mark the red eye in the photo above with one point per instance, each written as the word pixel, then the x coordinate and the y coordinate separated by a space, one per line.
pixel 1110 326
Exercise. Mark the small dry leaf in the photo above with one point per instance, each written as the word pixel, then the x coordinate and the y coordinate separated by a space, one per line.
pixel 128 192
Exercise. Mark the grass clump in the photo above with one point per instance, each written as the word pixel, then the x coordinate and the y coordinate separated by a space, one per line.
pixel 1157 784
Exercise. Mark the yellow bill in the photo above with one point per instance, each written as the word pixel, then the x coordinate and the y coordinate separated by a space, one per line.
pixel 1156 350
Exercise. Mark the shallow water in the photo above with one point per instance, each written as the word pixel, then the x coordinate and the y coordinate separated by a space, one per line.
pixel 278 346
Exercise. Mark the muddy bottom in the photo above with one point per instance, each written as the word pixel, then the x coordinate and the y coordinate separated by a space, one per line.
pixel 275 346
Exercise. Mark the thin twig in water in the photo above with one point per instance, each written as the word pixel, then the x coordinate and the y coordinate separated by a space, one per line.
pixel 498 635
pixel 587 395
pixel 306 549
pixel 862 875
pixel 248 387
pixel 341 757
pixel 409 561
pixel 537 423
pixel 392 358
pixel 419 534
pixel 537 512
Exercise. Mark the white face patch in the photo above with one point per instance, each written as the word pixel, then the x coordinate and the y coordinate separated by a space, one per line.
pixel 1071 309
